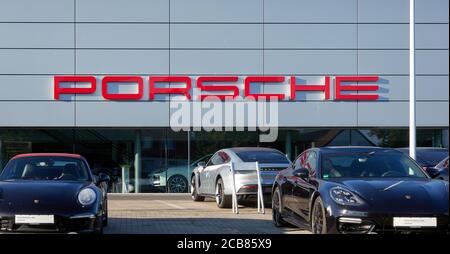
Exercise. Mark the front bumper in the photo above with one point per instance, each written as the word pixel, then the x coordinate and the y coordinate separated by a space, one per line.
pixel 80 223
pixel 354 222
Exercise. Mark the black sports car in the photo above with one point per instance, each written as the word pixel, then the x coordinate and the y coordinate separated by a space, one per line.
pixel 359 190
pixel 51 193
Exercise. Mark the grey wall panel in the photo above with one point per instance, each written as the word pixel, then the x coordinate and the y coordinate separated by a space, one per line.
pixel 393 88
pixel 216 36
pixel 122 61
pixel 216 62
pixel 26 87
pixel 396 88
pixel 333 62
pixel 122 35
pixel 379 114
pixel 432 11
pixel 36 35
pixel 36 113
pixel 383 11
pixel 34 61
pixel 432 62
pixel 425 119
pixel 122 114
pixel 122 11
pixel 432 36
pixel 216 11
pixel 317 11
pixel 317 114
pixel 383 36
pixel 383 62
pixel 432 88
pixel 310 36
pixel 37 11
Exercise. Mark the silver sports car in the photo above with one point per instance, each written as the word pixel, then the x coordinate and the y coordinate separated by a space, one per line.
pixel 214 179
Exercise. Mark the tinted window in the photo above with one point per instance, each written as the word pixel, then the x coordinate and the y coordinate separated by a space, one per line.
pixel 262 156
pixel 356 165
pixel 46 168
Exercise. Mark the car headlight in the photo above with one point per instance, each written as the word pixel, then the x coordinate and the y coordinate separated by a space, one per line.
pixel 87 196
pixel 343 196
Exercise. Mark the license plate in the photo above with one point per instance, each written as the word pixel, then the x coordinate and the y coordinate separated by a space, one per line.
pixel 412 222
pixel 34 219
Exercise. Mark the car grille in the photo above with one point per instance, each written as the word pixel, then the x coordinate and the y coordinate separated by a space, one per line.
pixel 273 169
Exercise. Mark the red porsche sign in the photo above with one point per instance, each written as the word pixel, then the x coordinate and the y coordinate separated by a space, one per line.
pixel 229 85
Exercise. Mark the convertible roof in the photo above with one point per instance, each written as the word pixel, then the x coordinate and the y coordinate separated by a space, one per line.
pixel 70 155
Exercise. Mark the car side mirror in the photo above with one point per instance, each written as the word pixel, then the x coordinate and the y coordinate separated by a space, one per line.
pixel 201 164
pixel 433 172
pixel 103 178
pixel 303 173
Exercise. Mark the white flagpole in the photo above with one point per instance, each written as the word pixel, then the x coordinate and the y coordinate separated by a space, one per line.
pixel 412 85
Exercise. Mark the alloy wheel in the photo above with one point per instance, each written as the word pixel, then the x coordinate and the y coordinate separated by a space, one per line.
pixel 318 222
pixel 177 184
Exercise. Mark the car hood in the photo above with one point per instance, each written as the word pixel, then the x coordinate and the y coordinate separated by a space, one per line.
pixel 40 196
pixel 400 195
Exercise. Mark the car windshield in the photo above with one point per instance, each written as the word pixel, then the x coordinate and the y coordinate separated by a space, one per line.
pixel 45 169
pixel 262 156
pixel 374 164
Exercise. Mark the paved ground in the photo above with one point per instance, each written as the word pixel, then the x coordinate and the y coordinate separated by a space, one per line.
pixel 178 214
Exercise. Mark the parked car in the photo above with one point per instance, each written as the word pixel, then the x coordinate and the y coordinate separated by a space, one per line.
pixel 213 179
pixel 428 157
pixel 52 193
pixel 359 190
pixel 177 177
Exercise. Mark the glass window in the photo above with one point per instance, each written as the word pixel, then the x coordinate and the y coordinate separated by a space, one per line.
pixel 262 156
pixel 215 160
pixel 307 160
pixel 300 161
pixel 311 163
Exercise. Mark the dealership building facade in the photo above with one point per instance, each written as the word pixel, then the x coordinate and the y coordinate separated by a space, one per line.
pixel 298 50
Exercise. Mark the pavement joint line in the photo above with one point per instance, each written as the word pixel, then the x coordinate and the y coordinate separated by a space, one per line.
pixel 170 204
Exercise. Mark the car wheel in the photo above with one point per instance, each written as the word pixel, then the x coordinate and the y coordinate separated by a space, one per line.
pixel 177 184
pixel 277 209
pixel 222 200
pixel 318 220
pixel 194 192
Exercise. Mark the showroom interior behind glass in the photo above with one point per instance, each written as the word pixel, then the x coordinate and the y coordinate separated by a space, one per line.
pixel 163 159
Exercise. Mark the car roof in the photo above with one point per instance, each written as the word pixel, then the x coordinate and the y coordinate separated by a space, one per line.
pixel 69 155
pixel 251 149
pixel 355 149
